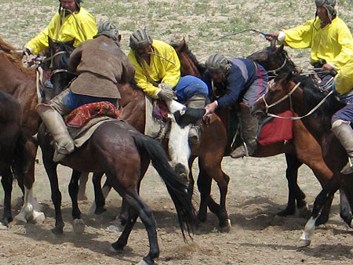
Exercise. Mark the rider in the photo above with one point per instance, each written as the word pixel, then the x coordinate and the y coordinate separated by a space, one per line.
pixel 331 44
pixel 237 81
pixel 71 22
pixel 100 65
pixel 157 73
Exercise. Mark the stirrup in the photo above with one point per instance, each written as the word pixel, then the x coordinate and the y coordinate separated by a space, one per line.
pixel 240 151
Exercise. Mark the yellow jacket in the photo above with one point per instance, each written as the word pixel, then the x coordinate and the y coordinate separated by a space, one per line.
pixel 79 26
pixel 164 68
pixel 333 43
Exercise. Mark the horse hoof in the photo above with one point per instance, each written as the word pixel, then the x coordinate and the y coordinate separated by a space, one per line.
pixel 226 228
pixel 99 210
pixel 38 217
pixel 115 228
pixel 57 231
pixel 143 262
pixel 286 212
pixel 78 226
pixel 303 243
pixel 21 218
pixel 3 226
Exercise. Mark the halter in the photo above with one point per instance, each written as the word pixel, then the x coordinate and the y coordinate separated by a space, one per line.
pixel 51 58
pixel 275 71
pixel 267 106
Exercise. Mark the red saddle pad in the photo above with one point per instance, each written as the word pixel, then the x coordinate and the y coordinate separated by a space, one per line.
pixel 277 130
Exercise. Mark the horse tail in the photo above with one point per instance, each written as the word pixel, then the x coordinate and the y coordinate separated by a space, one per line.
pixel 176 186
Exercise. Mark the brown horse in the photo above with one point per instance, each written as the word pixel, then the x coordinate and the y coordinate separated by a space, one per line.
pixel 303 149
pixel 20 82
pixel 315 108
pixel 12 151
pixel 122 153
pixel 210 151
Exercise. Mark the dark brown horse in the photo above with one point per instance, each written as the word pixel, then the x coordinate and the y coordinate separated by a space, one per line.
pixel 210 151
pixel 20 82
pixel 122 153
pixel 303 148
pixel 315 107
pixel 12 151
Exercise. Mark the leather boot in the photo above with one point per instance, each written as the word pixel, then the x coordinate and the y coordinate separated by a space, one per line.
pixel 196 102
pixel 344 133
pixel 249 127
pixel 55 124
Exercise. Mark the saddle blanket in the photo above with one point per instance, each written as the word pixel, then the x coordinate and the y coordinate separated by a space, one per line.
pixel 276 130
pixel 84 120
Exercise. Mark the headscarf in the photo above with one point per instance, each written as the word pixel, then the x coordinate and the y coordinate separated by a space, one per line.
pixel 329 5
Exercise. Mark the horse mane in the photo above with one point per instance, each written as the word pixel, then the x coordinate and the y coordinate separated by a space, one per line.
pixel 182 46
pixel 313 94
pixel 10 53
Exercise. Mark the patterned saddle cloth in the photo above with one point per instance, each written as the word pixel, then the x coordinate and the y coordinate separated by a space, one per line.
pixel 84 120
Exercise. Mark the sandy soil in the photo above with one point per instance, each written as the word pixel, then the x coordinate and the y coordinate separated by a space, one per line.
pixel 257 191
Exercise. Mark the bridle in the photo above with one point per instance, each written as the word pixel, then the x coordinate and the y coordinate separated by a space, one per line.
pixel 289 97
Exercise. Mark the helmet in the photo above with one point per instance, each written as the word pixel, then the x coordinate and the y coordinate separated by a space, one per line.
pixel 329 5
pixel 138 38
pixel 108 29
pixel 217 62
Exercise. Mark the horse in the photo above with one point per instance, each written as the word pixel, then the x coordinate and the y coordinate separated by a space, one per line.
pixel 303 149
pixel 20 82
pixel 12 150
pixel 210 153
pixel 315 108
pixel 122 153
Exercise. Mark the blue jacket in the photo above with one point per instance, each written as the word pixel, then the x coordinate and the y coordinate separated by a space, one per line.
pixel 240 77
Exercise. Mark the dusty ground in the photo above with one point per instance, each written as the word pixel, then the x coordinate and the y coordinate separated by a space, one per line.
pixel 257 190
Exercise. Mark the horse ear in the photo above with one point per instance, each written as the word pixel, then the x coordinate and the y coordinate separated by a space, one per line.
pixel 273 44
pixel 280 49
pixel 50 41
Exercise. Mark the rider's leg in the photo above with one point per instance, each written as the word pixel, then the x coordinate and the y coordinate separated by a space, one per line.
pixel 344 133
pixel 197 102
pixel 249 127
pixel 51 115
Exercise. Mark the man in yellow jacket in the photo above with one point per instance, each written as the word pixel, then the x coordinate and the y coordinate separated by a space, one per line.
pixel 157 73
pixel 331 44
pixel 71 22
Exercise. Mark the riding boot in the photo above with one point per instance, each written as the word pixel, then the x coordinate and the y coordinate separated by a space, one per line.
pixel 249 127
pixel 344 133
pixel 55 124
pixel 196 102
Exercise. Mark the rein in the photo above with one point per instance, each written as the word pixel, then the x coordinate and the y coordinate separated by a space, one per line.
pixel 291 105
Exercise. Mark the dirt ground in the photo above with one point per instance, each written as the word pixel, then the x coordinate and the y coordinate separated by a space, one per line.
pixel 257 190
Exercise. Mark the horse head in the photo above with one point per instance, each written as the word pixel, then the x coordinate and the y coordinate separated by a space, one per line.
pixel 58 56
pixel 274 60
pixel 188 62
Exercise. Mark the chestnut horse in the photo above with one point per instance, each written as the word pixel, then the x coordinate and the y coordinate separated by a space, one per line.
pixel 20 82
pixel 122 153
pixel 303 148
pixel 315 108
pixel 12 151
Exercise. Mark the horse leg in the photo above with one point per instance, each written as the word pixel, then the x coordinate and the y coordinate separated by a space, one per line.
pixel 81 196
pixel 321 199
pixel 139 208
pixel 31 209
pixel 78 224
pixel 294 191
pixel 99 193
pixel 6 181
pixel 204 183
pixel 345 209
pixel 56 197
